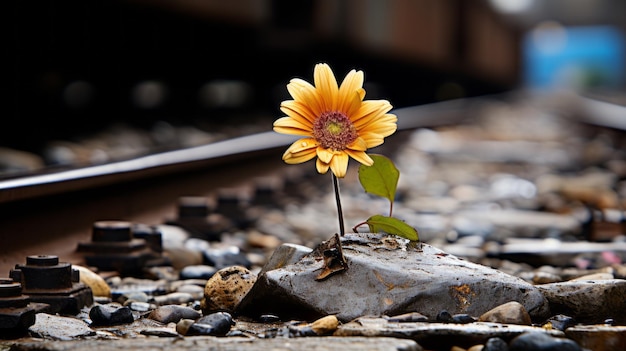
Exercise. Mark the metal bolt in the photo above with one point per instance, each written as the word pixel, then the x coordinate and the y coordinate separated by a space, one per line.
pixel 111 231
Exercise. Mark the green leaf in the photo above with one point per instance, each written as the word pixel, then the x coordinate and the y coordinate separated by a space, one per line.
pixel 381 178
pixel 390 225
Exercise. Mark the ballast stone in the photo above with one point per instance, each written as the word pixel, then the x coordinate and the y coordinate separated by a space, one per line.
pixel 387 275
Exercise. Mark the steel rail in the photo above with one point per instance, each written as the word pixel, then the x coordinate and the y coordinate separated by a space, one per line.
pixel 209 155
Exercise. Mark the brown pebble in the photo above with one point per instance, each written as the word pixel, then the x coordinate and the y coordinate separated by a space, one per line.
pixel 226 288
pixel 325 325
pixel 509 313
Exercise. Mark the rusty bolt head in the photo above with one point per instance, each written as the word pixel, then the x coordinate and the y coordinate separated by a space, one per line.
pixel 111 231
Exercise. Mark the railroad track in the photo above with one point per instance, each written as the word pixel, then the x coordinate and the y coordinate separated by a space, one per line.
pixel 50 213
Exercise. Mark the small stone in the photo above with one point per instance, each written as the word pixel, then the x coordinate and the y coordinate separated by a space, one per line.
pixel 160 332
pixel 98 285
pixel 509 313
pixel 175 298
pixel 53 327
pixel 444 316
pixel 408 317
pixel 561 322
pixel 223 258
pixel 110 315
pixel 140 306
pixel 173 314
pixel 197 272
pixel 545 278
pixel 225 290
pixel 542 342
pixel 269 318
pixel 462 318
pixel 182 327
pixel 325 325
pixel 216 324
pixel 135 296
pixel 496 344
pixel 260 240
pixel 182 257
pixel 197 292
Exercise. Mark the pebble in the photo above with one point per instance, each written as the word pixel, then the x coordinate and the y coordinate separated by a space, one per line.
pixel 94 281
pixel 110 315
pixel 196 292
pixel 588 301
pixel 197 272
pixel 214 324
pixel 560 322
pixel 509 313
pixel 495 344
pixel 173 314
pixel 53 327
pixel 325 325
pixel 174 298
pixel 542 342
pixel 226 289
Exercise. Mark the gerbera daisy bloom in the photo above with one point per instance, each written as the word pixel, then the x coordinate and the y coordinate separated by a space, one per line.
pixel 335 121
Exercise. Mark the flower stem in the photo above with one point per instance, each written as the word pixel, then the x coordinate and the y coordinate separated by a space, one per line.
pixel 339 211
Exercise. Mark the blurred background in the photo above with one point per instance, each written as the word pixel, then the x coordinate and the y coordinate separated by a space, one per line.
pixel 93 81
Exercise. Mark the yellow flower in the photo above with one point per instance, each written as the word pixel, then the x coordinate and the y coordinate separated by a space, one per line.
pixel 335 121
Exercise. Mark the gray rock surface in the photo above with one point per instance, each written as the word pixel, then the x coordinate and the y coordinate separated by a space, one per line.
pixel 53 327
pixel 387 275
pixel 325 343
pixel 439 336
pixel 590 301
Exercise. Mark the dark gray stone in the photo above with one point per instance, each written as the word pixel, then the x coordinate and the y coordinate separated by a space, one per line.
pixel 110 315
pixel 588 301
pixel 387 276
pixel 542 342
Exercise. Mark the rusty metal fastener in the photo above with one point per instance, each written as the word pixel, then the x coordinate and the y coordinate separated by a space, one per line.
pixel 194 215
pixel 46 280
pixel 113 248
pixel 17 314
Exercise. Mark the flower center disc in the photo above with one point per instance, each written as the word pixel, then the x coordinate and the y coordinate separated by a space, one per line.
pixel 334 130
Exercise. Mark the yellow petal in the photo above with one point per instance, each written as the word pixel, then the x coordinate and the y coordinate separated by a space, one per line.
pixel 326 85
pixel 384 130
pixel 290 122
pixel 348 89
pixel 288 125
pixel 322 167
pixel 298 157
pixel 305 94
pixel 358 145
pixel 360 156
pixel 292 131
pixel 297 87
pixel 369 111
pixel 302 144
pixel 325 155
pixel 339 164
pixel 352 105
pixel 372 139
pixel 298 111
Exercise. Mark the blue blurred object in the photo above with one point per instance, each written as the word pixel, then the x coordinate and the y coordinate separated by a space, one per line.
pixel 573 57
